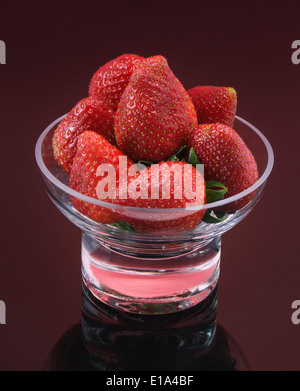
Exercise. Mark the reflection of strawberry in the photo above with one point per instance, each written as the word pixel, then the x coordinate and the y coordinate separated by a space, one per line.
pixel 93 151
pixel 88 114
pixel 226 159
pixel 214 104
pixel 155 114
pixel 110 81
pixel 171 185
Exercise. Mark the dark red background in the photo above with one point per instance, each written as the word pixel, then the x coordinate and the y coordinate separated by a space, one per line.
pixel 53 48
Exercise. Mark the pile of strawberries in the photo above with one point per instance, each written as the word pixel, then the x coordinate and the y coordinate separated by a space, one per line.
pixel 137 109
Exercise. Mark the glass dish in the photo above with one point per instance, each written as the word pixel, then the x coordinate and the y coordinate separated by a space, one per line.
pixel 151 273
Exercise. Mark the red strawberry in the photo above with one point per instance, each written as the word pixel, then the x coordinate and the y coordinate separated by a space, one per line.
pixel 110 81
pixel 164 185
pixel 155 114
pixel 214 104
pixel 88 114
pixel 226 159
pixel 92 151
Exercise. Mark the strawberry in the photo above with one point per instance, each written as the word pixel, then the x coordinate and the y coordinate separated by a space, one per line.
pixel 88 114
pixel 110 81
pixel 155 114
pixel 214 104
pixel 226 159
pixel 160 186
pixel 92 151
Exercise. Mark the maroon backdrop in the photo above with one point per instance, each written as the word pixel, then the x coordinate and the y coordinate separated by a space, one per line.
pixel 53 48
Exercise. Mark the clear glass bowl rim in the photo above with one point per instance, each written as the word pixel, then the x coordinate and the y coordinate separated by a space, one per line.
pixel 71 192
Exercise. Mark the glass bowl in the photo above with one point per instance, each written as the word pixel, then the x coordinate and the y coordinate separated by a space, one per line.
pixel 151 273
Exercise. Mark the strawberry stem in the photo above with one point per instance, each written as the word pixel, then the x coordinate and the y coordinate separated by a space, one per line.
pixel 215 191
pixel 192 158
pixel 179 155
pixel 124 225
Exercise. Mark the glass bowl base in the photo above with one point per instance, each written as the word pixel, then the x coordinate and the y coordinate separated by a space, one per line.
pixel 147 285
pixel 155 306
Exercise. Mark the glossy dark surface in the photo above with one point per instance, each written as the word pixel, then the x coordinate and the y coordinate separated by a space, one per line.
pixel 110 340
pixel 53 49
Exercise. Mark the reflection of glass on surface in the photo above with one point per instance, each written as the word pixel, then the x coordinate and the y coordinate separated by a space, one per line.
pixel 111 340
